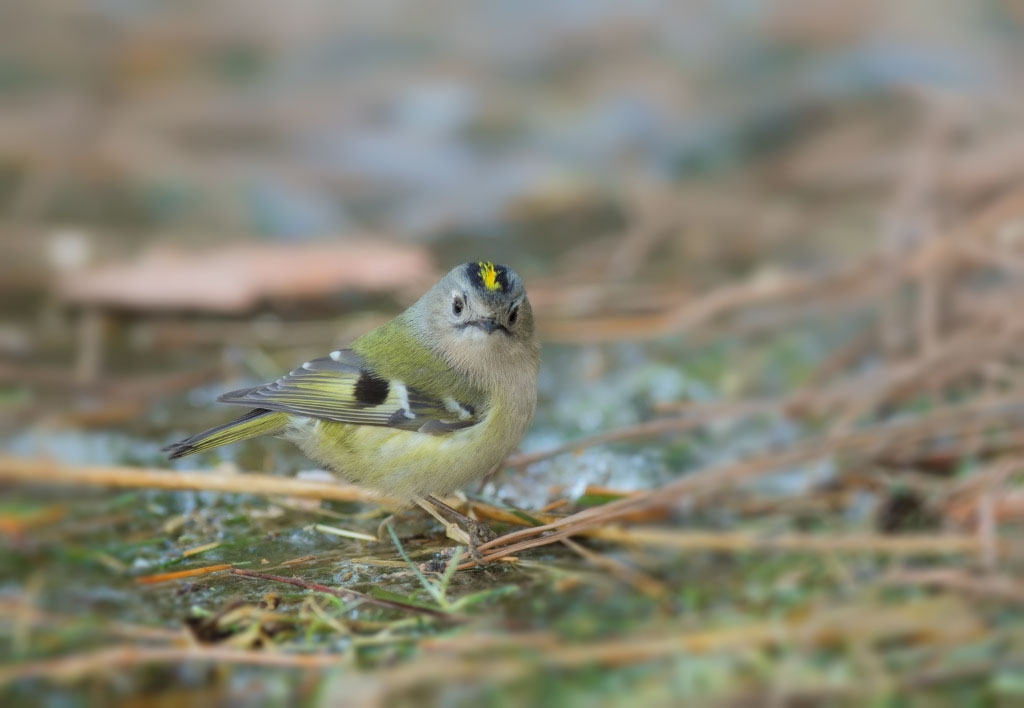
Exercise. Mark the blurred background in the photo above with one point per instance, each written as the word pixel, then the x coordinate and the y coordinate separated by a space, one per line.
pixel 775 250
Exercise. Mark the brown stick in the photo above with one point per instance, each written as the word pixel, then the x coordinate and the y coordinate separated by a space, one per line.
pixel 639 580
pixel 23 611
pixel 346 594
pixel 699 311
pixel 876 437
pixel 450 658
pixel 995 587
pixel 52 473
pixel 649 428
pixel 930 545
pixel 103 660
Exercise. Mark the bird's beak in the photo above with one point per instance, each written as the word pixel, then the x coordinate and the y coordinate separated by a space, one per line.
pixel 488 324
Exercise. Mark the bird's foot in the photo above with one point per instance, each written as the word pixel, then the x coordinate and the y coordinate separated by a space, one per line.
pixel 462 529
pixel 382 527
pixel 479 534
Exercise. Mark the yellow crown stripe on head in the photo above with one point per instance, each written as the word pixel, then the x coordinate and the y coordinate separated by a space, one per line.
pixel 489 276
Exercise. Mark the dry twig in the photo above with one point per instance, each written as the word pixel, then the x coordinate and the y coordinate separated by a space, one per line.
pixel 52 473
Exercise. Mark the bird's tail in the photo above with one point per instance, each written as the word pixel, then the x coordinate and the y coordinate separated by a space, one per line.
pixel 259 421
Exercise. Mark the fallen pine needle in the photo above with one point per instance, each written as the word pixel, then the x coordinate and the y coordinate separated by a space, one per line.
pixel 380 562
pixel 603 491
pixel 298 561
pixel 556 504
pixel 13 524
pixel 200 549
pixel 110 562
pixel 345 533
pixel 514 517
pixel 165 577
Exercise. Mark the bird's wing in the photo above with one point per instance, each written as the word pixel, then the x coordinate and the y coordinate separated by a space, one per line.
pixel 343 387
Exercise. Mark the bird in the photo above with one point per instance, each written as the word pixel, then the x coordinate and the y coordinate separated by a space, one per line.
pixel 417 408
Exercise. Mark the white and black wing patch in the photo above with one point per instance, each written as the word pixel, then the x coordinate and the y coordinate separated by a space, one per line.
pixel 343 388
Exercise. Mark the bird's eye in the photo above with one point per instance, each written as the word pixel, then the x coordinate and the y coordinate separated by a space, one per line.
pixel 513 315
pixel 457 306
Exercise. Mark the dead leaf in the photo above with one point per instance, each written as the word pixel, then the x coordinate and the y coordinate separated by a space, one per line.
pixel 237 278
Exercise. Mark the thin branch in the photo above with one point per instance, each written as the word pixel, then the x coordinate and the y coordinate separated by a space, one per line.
pixel 945 420
pixel 903 545
pixel 649 428
pixel 100 661
pixel 346 594
pixel 52 473
pixel 993 587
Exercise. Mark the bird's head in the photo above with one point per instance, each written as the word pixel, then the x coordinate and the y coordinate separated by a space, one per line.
pixel 478 314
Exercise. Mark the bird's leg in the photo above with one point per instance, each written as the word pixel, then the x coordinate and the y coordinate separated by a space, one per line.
pixel 479 530
pixel 452 530
pixel 382 527
pixel 461 528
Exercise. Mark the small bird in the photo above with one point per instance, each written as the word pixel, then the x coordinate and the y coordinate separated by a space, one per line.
pixel 416 408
